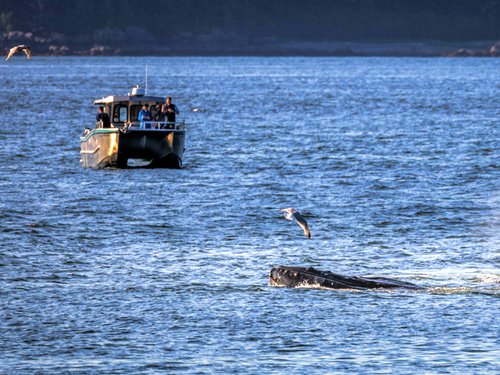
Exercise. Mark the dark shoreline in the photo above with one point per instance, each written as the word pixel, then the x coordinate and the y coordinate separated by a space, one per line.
pixel 105 44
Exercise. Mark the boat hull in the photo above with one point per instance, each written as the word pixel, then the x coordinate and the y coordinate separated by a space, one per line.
pixel 113 147
pixel 99 148
pixel 311 277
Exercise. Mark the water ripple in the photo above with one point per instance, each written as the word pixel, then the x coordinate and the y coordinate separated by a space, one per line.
pixel 393 162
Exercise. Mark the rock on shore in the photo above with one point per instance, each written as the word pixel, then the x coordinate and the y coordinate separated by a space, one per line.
pixel 494 51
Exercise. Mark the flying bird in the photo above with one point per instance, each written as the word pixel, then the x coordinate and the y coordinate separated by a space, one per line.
pixel 24 48
pixel 292 214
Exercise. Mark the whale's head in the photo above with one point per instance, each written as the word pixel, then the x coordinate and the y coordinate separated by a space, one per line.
pixel 286 276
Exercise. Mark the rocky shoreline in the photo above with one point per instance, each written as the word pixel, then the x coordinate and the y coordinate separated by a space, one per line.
pixel 136 41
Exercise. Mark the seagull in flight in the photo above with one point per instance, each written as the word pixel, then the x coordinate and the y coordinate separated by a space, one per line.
pixel 22 47
pixel 292 214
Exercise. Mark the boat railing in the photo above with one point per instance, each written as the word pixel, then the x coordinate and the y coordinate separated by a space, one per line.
pixel 100 125
pixel 154 125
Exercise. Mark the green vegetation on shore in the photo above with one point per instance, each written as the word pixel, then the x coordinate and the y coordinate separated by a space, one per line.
pixel 313 20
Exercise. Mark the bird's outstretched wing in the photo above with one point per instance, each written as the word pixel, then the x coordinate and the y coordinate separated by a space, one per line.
pixel 292 214
pixel 24 48
pixel 11 52
pixel 303 223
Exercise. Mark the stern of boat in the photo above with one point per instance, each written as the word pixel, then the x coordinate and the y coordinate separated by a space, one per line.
pixel 99 147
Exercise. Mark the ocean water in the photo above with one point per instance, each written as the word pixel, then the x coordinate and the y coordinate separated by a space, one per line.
pixel 395 164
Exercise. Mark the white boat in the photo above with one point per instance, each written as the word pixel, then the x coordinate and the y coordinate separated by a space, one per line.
pixel 130 142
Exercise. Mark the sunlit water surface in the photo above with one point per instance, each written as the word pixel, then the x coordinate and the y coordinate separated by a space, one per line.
pixel 395 164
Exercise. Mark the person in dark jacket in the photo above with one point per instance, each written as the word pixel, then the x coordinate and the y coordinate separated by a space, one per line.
pixel 157 115
pixel 170 111
pixel 103 116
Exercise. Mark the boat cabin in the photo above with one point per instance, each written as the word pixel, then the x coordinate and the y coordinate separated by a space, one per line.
pixel 123 111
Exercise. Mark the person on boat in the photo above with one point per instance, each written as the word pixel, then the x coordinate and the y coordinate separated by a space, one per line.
pixel 170 111
pixel 157 114
pixel 155 111
pixel 145 115
pixel 104 117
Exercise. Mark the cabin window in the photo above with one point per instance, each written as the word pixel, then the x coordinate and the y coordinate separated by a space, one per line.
pixel 120 113
pixel 134 112
pixel 136 108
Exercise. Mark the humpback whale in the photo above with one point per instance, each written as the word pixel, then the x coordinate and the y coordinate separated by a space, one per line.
pixel 309 276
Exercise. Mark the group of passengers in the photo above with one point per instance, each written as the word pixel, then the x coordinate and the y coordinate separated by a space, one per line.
pixel 165 113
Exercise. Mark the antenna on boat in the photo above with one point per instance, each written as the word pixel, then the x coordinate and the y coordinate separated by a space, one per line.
pixel 146 79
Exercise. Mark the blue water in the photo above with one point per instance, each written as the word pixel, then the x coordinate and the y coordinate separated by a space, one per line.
pixel 395 164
